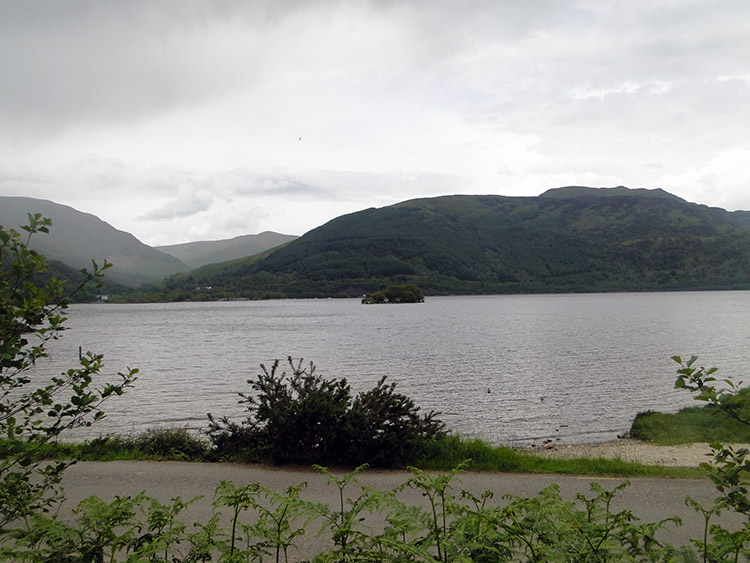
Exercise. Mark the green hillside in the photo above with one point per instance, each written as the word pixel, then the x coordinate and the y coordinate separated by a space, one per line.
pixel 566 240
pixel 76 238
pixel 197 254
pixel 73 278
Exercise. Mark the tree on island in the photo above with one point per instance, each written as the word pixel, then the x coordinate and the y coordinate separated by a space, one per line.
pixel 407 293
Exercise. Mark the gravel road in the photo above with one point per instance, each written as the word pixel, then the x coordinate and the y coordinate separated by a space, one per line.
pixel 650 499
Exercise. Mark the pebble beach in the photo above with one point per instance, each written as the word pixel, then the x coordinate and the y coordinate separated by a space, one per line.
pixel 687 455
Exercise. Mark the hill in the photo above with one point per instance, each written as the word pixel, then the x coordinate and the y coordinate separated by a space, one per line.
pixel 196 254
pixel 78 237
pixel 569 239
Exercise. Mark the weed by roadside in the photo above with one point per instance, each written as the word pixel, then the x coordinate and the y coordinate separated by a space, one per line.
pixel 253 523
pixel 173 444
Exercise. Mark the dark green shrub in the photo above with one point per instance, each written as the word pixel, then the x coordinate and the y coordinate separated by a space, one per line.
pixel 385 428
pixel 291 419
pixel 305 418
pixel 235 441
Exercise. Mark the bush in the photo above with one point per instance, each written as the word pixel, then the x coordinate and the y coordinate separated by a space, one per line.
pixel 385 428
pixel 305 418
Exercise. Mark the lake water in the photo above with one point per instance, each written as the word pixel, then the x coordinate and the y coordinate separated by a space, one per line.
pixel 507 369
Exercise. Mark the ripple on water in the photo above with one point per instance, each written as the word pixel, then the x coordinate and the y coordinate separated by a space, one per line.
pixel 503 368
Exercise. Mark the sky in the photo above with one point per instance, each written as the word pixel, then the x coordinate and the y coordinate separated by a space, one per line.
pixel 184 120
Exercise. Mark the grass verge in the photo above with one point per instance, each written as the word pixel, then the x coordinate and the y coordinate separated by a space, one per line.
pixel 690 425
pixel 442 455
pixel 452 450
pixel 176 444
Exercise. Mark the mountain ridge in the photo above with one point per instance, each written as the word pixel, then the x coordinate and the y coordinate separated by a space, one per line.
pixel 568 239
pixel 200 253
pixel 78 237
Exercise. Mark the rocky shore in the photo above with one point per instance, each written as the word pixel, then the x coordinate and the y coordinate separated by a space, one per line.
pixel 688 455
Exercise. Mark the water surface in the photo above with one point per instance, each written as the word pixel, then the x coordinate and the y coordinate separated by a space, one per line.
pixel 505 368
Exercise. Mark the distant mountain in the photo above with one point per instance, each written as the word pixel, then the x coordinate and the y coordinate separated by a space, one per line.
pixel 196 254
pixel 566 240
pixel 76 238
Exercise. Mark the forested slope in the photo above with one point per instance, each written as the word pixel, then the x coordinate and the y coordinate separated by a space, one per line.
pixel 566 240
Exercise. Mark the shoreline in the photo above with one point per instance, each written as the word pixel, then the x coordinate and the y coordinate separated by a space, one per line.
pixel 627 449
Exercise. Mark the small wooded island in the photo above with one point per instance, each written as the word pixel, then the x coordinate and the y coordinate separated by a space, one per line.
pixel 406 293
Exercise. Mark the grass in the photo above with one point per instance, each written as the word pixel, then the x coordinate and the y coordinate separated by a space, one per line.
pixel 176 444
pixel 452 450
pixel 181 445
pixel 690 425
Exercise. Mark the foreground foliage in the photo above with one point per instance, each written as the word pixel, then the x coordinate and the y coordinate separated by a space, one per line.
pixel 728 468
pixel 254 523
pixel 34 409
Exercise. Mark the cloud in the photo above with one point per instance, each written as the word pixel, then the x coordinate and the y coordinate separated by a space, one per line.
pixel 187 118
pixel 187 203
pixel 724 180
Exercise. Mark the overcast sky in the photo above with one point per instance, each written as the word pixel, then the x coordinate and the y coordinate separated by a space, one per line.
pixel 184 120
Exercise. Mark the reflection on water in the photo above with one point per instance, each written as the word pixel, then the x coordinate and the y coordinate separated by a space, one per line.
pixel 504 368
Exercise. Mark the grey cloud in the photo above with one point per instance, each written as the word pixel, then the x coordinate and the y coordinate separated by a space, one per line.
pixel 88 62
pixel 198 98
pixel 261 183
pixel 80 61
pixel 186 204
pixel 199 193
pixel 340 186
